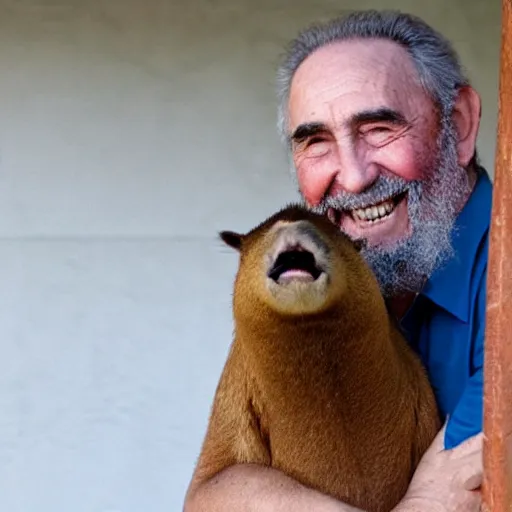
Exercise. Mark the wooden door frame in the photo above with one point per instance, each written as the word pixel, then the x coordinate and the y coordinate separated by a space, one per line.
pixel 497 458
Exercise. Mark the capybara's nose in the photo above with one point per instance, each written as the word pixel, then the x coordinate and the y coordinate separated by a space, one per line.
pixel 294 235
pixel 301 234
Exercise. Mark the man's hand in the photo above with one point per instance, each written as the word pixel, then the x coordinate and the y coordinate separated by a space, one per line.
pixel 444 481
pixel 447 480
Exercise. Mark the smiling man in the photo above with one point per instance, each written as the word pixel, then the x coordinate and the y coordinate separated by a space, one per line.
pixel 381 127
pixel 384 144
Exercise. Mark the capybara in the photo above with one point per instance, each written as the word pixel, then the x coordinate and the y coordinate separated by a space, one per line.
pixel 319 382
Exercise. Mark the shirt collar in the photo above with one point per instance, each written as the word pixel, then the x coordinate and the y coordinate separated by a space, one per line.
pixel 449 286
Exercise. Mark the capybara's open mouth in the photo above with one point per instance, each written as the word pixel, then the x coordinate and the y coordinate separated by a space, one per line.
pixel 296 263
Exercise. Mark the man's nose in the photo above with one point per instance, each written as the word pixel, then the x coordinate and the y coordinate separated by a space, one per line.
pixel 343 172
pixel 353 180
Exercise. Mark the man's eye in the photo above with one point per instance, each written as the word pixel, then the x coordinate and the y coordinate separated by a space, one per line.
pixel 316 146
pixel 314 140
pixel 379 129
pixel 378 135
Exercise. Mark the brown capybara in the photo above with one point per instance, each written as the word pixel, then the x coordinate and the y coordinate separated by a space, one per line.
pixel 319 383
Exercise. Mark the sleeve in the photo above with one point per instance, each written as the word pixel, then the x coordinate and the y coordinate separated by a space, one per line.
pixel 467 418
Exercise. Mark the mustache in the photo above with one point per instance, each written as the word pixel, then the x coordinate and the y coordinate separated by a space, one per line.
pixel 381 189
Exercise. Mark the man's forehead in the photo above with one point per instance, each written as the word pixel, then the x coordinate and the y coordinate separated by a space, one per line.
pixel 346 78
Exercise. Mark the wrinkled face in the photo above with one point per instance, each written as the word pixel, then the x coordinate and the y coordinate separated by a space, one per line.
pixel 371 152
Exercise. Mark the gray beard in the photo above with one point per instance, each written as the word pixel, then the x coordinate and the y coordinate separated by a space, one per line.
pixel 404 266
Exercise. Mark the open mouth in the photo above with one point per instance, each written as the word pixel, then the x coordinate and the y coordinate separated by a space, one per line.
pixel 370 214
pixel 295 264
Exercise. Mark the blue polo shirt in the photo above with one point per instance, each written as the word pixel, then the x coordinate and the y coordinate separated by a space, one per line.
pixel 446 323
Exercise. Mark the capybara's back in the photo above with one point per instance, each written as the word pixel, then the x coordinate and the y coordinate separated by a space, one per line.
pixel 319 383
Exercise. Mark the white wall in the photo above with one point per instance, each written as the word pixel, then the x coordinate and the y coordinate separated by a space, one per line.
pixel 129 135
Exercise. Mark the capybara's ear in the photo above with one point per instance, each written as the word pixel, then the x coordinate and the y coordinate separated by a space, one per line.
pixel 232 239
pixel 359 244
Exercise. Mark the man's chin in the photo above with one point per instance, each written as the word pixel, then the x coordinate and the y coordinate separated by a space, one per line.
pixel 381 234
pixel 404 266
pixel 387 243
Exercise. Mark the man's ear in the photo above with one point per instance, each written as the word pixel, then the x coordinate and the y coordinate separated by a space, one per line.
pixel 466 118
pixel 232 239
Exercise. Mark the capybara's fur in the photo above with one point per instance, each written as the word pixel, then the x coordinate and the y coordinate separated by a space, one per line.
pixel 319 383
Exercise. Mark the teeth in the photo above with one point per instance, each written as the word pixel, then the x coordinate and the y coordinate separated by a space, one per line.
pixel 374 212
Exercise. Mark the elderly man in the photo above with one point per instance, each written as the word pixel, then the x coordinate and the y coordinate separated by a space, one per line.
pixel 381 126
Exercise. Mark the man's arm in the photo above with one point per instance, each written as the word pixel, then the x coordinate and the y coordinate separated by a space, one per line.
pixel 255 488
pixel 445 481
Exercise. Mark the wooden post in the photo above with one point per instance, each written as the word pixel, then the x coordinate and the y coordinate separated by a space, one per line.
pixel 497 483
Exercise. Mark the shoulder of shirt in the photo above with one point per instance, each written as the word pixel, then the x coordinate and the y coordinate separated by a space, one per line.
pixel 455 286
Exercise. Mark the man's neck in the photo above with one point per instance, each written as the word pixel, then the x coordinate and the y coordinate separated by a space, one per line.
pixel 472 178
pixel 398 306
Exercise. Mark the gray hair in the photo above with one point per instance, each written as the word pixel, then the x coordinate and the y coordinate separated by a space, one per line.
pixel 436 62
